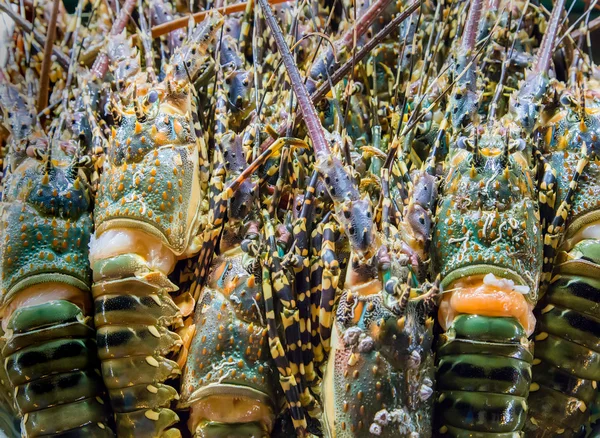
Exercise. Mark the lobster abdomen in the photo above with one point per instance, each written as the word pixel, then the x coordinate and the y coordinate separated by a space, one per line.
pixel 484 372
pixel 567 350
pixel 51 362
pixel 133 319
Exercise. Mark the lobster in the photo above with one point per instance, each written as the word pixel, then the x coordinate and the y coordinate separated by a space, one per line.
pixel 229 383
pixel 49 345
pixel 487 246
pixel 364 374
pixel 148 213
pixel 565 369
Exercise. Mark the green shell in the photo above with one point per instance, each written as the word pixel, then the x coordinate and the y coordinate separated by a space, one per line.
pixel 483 377
pixel 229 353
pixel 567 352
pixel 380 373
pixel 149 185
pixel 52 365
pixel 46 227
pixel 133 319
pixel 487 219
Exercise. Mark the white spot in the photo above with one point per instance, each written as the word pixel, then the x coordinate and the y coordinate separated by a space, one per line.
pixel 151 361
pixel 375 429
pixel 382 417
pixel 153 331
pixel 152 415
pixel 504 283
pixel 151 388
pixel 425 392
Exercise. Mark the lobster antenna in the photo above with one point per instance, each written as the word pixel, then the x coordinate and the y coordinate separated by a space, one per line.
pixel 566 19
pixel 74 57
pixel 342 71
pixel 47 60
pixel 148 52
pixel 417 118
pixel 88 21
pixel 410 39
pixel 183 22
pixel 412 64
pixel 585 16
pixel 213 108
pixel 433 42
pixel 548 42
pixel 365 50
pixel 26 26
pixel 100 65
pixel 469 35
pixel 311 118
pixel 507 58
pixel 27 45
pixel 65 93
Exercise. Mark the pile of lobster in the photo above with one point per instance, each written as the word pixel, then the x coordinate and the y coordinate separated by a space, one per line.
pixel 339 219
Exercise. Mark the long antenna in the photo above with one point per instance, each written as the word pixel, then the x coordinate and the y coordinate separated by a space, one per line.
pixel 47 61
pixel 182 22
pixel 547 47
pixel 322 91
pixel 311 118
pixel 61 58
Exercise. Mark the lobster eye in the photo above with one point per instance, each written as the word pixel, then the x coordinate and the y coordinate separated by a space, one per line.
pixel 152 96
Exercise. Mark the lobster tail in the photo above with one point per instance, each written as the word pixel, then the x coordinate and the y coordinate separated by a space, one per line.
pixel 51 362
pixel 133 316
pixel 567 350
pixel 484 372
pixel 8 410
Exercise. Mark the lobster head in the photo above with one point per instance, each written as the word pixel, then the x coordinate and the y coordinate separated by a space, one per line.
pixel 150 178
pixel 526 103
pixel 46 226
pixel 487 219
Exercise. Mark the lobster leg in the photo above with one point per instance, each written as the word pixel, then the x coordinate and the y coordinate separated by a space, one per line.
pixel 556 227
pixel 287 378
pixel 329 286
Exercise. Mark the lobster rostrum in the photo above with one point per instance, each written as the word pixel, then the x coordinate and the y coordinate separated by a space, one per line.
pixel 565 371
pixel 148 213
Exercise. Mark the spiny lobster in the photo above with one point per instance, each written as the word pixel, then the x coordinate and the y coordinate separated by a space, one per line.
pixel 308 274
